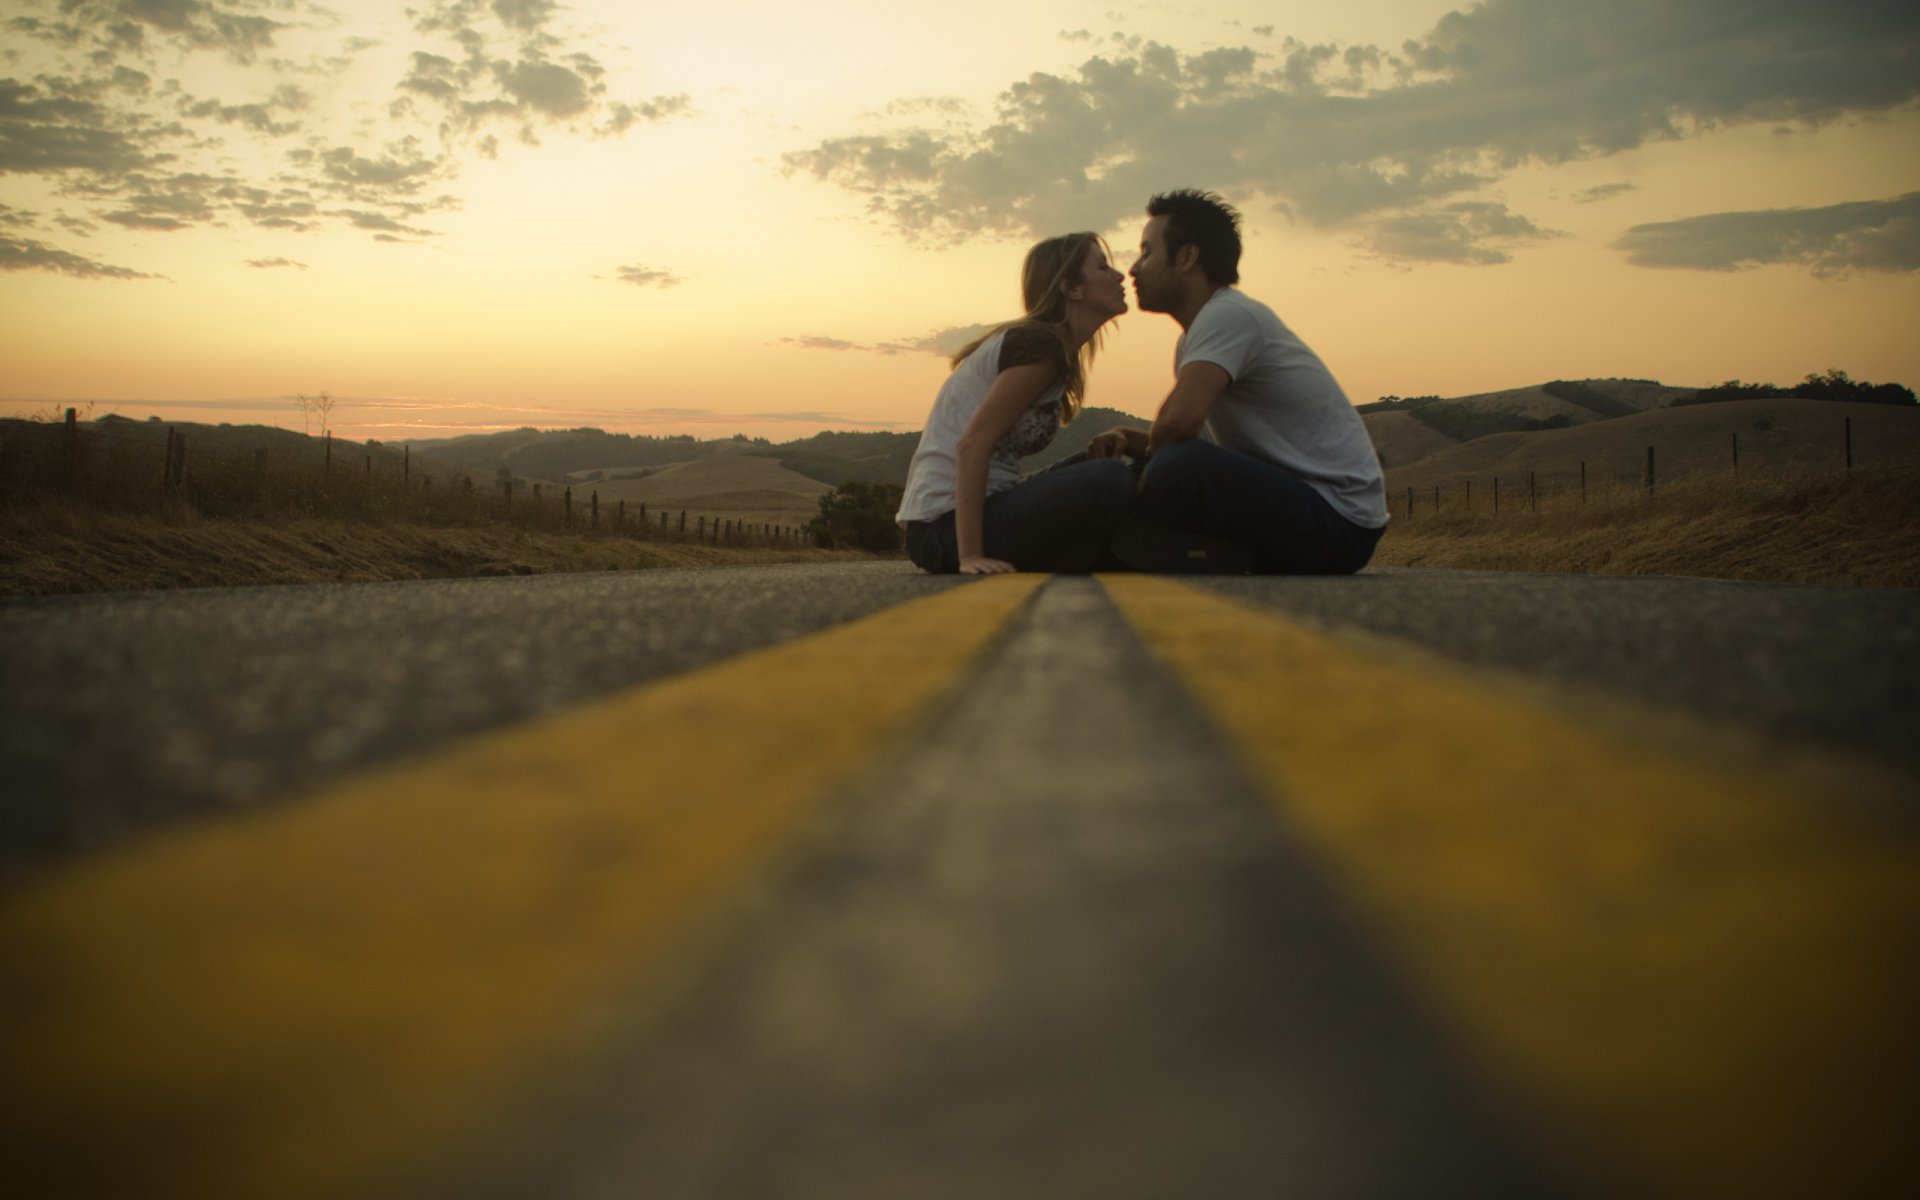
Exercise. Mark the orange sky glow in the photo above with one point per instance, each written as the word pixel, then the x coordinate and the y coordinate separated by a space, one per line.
pixel 471 215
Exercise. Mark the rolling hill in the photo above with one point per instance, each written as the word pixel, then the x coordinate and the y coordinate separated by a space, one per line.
pixel 1771 434
pixel 1549 428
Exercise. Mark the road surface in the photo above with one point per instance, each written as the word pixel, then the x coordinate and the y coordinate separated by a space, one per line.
pixel 850 881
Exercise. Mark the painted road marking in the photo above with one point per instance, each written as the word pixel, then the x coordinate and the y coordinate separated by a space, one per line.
pixel 286 1006
pixel 1708 983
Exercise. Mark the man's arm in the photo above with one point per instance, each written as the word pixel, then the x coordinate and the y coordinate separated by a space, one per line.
pixel 1184 411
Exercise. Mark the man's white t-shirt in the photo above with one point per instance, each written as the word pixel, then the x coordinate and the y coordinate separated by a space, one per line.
pixel 1283 405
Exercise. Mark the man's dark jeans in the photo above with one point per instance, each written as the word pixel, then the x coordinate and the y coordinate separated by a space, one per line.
pixel 1056 520
pixel 1198 487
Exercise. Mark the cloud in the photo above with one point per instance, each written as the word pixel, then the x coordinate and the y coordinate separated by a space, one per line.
pixel 644 276
pixel 947 342
pixel 1599 192
pixel 814 341
pixel 25 254
pixel 266 263
pixel 944 342
pixel 103 120
pixel 1469 232
pixel 499 64
pixel 1867 235
pixel 1345 136
pixel 240 34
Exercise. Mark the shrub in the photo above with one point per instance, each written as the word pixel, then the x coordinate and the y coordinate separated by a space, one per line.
pixel 859 514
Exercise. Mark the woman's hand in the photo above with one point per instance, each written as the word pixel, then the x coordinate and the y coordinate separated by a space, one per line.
pixel 980 564
pixel 1111 444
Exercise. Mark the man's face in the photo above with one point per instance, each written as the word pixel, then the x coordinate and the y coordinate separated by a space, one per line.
pixel 1155 285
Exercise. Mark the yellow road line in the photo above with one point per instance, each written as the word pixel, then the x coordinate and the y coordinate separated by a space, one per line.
pixel 287 1005
pixel 1711 985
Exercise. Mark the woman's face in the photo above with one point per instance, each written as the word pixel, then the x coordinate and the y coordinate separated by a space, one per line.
pixel 1102 287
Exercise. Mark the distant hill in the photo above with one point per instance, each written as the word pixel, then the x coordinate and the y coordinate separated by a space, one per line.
pixel 595 456
pixel 736 487
pixel 1406 431
pixel 1690 439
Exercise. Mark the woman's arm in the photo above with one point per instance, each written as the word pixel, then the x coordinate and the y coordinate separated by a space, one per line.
pixel 1013 392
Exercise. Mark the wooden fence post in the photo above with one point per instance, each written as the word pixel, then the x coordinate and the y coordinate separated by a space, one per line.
pixel 566 508
pixel 643 511
pixel 1849 421
pixel 700 529
pixel 1530 504
pixel 620 516
pixel 1409 503
pixel 1736 454
pixel 506 494
pixel 328 466
pixel 1649 470
pixel 683 520
pixel 1469 495
pixel 406 465
pixel 369 466
pixel 1583 481
pixel 1496 495
pixel 596 510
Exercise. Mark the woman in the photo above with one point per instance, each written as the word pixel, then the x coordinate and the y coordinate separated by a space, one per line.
pixel 966 508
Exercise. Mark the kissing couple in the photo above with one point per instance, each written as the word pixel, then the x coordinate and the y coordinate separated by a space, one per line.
pixel 1256 462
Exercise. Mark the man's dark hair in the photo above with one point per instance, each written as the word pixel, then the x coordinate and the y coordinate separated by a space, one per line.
pixel 1197 218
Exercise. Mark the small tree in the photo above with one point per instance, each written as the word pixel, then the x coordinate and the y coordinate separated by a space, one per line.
pixel 859 515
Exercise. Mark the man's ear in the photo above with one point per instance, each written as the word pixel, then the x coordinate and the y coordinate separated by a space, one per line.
pixel 1187 257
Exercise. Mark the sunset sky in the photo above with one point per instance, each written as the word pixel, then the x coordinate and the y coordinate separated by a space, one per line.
pixel 765 218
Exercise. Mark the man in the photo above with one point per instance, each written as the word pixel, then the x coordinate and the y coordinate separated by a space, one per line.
pixel 1256 460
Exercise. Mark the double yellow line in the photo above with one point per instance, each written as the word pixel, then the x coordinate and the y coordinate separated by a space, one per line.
pixel 1709 984
pixel 1706 985
pixel 289 1005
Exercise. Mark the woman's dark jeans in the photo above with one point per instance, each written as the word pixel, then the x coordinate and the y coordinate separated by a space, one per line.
pixel 1056 520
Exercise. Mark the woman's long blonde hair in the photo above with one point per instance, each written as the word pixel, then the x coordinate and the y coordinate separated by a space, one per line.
pixel 1052 267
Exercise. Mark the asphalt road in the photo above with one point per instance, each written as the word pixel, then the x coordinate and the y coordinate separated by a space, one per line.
pixel 1068 887
pixel 138 711
pixel 132 712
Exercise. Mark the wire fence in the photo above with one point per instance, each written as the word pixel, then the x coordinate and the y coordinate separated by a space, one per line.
pixel 129 466
pixel 1627 474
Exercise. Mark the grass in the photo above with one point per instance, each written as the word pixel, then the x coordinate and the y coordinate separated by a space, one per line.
pixel 59 549
pixel 1790 526
pixel 98 509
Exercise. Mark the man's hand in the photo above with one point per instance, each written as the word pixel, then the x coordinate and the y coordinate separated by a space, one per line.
pixel 1118 443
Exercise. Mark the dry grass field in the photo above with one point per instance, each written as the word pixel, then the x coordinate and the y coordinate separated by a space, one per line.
pixel 53 549
pixel 1401 437
pixel 1687 441
pixel 730 487
pixel 1790 524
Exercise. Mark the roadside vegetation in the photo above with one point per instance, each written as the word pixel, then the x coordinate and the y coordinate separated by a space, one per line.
pixel 1802 526
pixel 116 505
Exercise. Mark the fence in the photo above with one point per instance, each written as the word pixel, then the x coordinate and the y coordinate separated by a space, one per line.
pixel 145 467
pixel 1635 473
